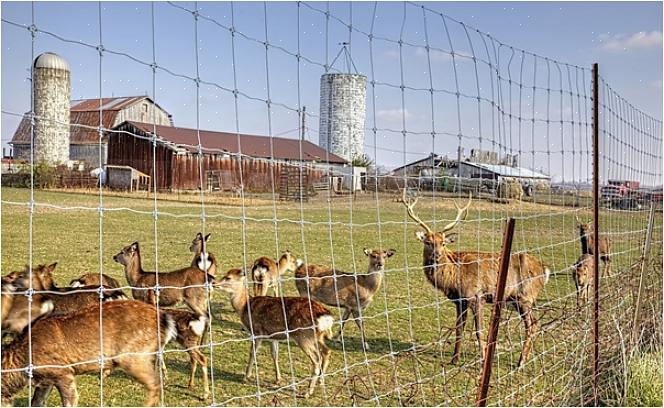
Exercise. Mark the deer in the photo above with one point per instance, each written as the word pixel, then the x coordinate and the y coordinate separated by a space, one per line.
pixel 203 259
pixel 66 345
pixel 275 319
pixel 583 276
pixel 186 285
pixel 64 300
pixel 469 278
pixel 352 292
pixel 92 279
pixel 18 311
pixel 587 238
pixel 190 328
pixel 266 272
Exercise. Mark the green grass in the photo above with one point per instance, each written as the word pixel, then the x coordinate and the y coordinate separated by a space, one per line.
pixel 407 310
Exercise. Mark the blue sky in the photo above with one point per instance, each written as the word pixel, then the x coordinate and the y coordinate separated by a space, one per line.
pixel 625 38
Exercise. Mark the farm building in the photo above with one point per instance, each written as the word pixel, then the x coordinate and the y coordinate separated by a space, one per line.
pixel 84 121
pixel 178 163
pixel 498 172
pixel 424 167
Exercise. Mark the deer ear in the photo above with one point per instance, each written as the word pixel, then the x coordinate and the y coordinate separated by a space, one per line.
pixel 51 267
pixel 134 246
pixel 420 235
pixel 207 237
pixel 451 238
pixel 390 252
pixel 367 251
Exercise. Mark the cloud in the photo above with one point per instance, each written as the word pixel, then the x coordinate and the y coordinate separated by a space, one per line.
pixel 393 114
pixel 624 42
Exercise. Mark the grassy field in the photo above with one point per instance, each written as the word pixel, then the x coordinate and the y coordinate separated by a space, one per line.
pixel 406 315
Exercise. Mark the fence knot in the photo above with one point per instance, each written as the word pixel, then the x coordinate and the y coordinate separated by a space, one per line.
pixel 29 370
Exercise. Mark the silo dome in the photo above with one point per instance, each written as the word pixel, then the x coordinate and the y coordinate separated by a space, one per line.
pixel 51 60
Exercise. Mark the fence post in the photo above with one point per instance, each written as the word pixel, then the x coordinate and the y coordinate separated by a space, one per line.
pixel 595 74
pixel 483 388
pixel 644 258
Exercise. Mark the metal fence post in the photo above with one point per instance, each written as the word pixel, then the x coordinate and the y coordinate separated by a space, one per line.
pixel 644 258
pixel 483 388
pixel 595 74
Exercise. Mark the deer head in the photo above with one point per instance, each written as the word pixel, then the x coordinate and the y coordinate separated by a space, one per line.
pixel 584 228
pixel 435 242
pixel 378 257
pixel 287 261
pixel 198 244
pixel 128 254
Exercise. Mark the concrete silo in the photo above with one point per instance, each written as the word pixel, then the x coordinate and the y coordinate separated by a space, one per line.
pixel 342 114
pixel 51 92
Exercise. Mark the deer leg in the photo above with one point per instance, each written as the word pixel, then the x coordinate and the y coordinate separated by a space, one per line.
pixel 344 318
pixel 40 396
pixel 531 323
pixel 66 386
pixel 360 324
pixel 252 356
pixel 461 312
pixel 476 305
pixel 194 366
pixel 197 358
pixel 311 352
pixel 276 287
pixel 142 369
pixel 325 359
pixel 275 358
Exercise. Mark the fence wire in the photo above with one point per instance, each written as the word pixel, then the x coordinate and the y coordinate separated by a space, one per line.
pixel 509 127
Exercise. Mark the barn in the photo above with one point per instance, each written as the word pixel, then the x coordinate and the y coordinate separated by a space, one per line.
pixel 178 163
pixel 498 172
pixel 84 121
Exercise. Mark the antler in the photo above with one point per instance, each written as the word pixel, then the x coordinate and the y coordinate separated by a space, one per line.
pixel 411 212
pixel 461 214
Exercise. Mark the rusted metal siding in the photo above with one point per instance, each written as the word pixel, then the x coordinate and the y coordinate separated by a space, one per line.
pixel 182 171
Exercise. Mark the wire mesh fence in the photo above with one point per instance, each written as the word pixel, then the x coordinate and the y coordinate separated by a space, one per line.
pixel 466 120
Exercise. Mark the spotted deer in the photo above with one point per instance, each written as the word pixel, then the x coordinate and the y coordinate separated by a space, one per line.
pixel 307 323
pixel 92 279
pixel 62 346
pixel 266 272
pixel 349 291
pixel 469 278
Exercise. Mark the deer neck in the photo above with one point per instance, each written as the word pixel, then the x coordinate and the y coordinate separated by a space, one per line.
pixel 239 300
pixel 584 243
pixel 442 270
pixel 374 277
pixel 134 270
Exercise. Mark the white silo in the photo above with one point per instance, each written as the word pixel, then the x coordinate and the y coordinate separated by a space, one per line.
pixel 51 92
pixel 342 114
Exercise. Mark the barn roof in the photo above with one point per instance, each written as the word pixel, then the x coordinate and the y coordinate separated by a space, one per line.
pixel 508 171
pixel 212 142
pixel 84 112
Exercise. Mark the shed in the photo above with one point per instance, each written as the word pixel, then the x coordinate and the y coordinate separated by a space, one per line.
pixel 126 178
pixel 498 172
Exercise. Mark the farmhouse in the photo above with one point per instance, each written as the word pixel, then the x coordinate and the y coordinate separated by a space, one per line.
pixel 254 162
pixel 84 118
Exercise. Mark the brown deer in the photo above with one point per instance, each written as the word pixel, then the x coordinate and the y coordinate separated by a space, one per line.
pixel 64 300
pixel 66 345
pixel 306 321
pixel 352 292
pixel 18 311
pixel 186 285
pixel 190 329
pixel 587 238
pixel 469 278
pixel 92 279
pixel 203 259
pixel 583 276
pixel 266 272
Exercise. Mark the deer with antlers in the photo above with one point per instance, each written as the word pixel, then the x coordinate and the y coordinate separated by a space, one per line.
pixel 469 278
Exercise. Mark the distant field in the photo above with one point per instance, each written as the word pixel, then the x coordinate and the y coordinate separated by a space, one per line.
pixel 406 312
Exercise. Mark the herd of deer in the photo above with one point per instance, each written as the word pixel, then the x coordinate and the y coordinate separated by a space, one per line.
pixel 59 333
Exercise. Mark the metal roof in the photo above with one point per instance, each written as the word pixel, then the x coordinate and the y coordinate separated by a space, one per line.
pixel 85 112
pixel 508 171
pixel 251 145
pixel 51 60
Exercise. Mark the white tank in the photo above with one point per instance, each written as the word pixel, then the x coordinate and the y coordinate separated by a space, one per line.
pixel 342 114
pixel 52 94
